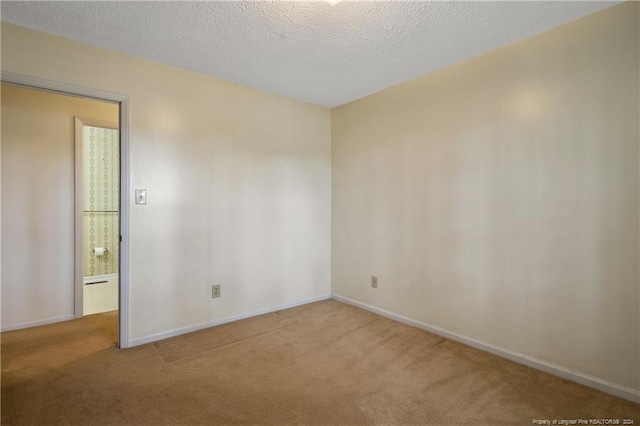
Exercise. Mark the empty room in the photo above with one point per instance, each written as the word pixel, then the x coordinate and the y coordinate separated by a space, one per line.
pixel 320 213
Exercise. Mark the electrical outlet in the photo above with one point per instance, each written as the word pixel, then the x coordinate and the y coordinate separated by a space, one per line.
pixel 215 291
pixel 374 281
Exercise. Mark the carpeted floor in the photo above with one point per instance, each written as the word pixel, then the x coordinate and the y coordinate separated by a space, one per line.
pixel 324 363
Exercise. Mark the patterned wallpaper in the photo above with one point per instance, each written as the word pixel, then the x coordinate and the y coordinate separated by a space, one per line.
pixel 100 199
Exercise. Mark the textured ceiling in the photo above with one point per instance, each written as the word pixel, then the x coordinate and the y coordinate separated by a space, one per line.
pixel 312 51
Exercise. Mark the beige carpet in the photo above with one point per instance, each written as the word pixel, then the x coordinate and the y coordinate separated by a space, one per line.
pixel 320 364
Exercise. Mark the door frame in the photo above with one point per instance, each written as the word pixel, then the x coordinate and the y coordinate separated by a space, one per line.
pixel 123 101
pixel 78 274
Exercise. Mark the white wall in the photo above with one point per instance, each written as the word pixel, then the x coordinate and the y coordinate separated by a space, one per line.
pixel 498 198
pixel 38 202
pixel 238 180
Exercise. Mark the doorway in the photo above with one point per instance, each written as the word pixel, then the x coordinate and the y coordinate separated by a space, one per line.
pixel 39 283
pixel 97 172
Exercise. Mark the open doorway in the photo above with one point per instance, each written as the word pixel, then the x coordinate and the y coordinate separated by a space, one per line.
pixel 43 205
pixel 97 172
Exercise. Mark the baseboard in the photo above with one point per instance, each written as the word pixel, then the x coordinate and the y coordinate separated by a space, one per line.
pixel 189 329
pixel 37 323
pixel 553 369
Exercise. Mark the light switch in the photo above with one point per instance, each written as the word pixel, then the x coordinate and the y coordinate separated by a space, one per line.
pixel 141 196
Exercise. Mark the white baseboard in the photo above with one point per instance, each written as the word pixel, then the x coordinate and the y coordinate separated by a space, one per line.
pixel 553 369
pixel 189 329
pixel 37 323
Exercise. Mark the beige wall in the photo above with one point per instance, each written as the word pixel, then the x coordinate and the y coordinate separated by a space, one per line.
pixel 38 201
pixel 238 180
pixel 498 198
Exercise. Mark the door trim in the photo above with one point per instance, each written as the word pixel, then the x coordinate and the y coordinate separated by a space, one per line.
pixel 125 176
pixel 78 274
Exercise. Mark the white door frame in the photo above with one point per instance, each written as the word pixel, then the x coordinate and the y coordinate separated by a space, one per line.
pixel 79 122
pixel 125 130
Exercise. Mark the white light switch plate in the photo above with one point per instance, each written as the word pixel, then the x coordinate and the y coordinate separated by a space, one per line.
pixel 141 196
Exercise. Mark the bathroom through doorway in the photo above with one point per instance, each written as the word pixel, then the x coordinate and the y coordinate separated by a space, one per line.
pixel 97 147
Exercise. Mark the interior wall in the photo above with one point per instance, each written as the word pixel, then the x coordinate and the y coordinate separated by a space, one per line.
pixel 38 148
pixel 498 198
pixel 238 181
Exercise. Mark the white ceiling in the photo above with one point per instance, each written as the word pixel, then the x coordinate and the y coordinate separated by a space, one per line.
pixel 312 51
